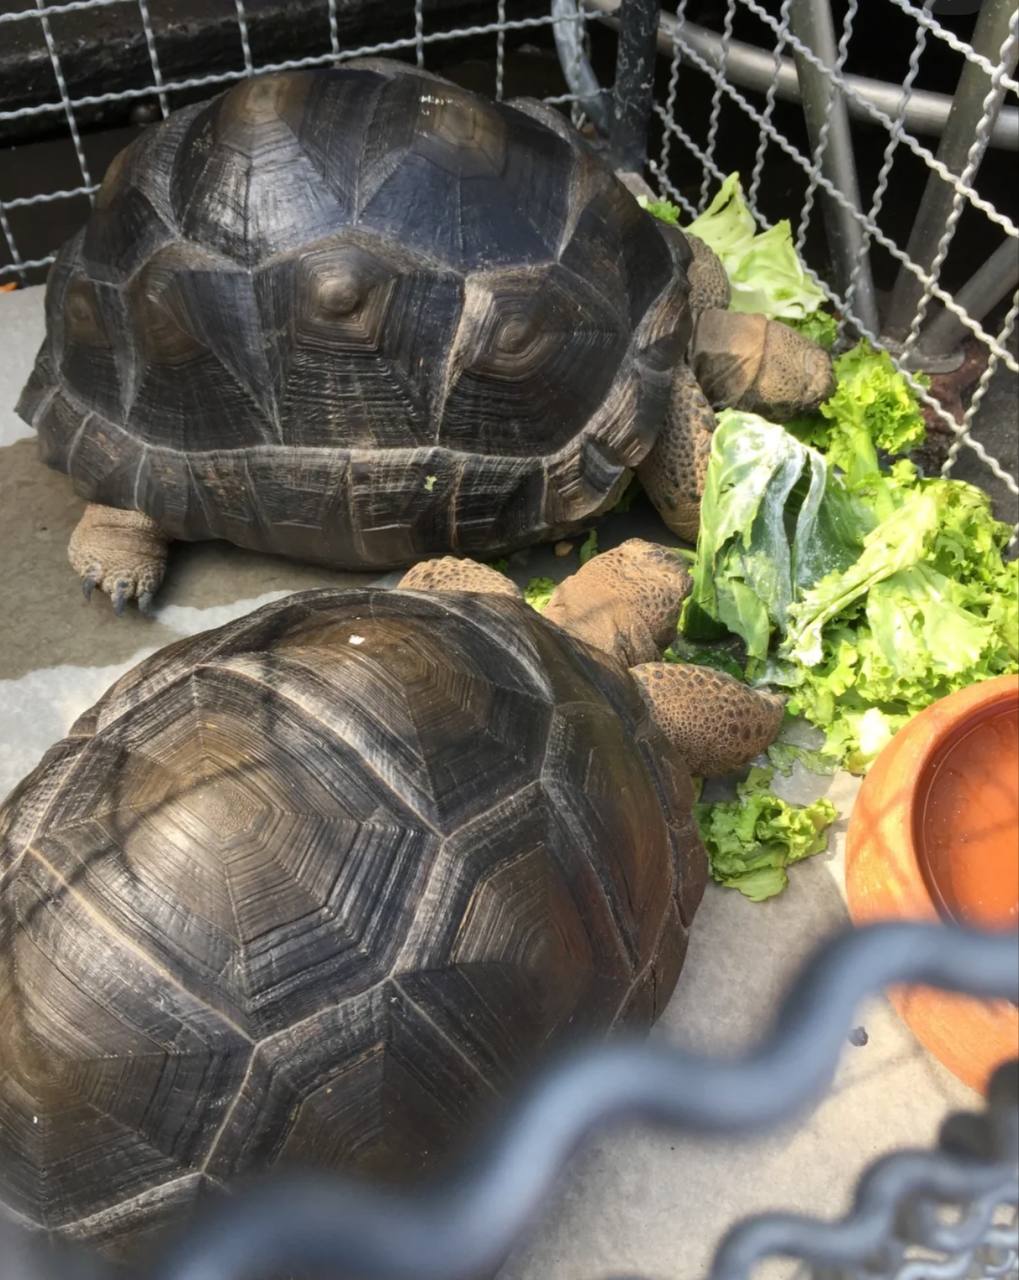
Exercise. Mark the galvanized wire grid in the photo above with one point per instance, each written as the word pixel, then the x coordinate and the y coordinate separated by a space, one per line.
pixel 416 43
pixel 922 320
pixel 914 329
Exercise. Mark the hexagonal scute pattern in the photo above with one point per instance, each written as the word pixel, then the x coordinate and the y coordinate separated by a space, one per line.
pixel 316 888
pixel 421 298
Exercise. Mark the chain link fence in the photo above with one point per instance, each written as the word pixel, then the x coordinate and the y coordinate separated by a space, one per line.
pixel 900 186
pixel 890 140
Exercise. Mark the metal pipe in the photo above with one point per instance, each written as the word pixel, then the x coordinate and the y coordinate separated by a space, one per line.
pixel 567 26
pixel 752 68
pixel 985 288
pixel 935 206
pixel 824 109
pixel 634 87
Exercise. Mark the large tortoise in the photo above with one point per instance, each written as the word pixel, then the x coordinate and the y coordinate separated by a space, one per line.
pixel 316 886
pixel 362 316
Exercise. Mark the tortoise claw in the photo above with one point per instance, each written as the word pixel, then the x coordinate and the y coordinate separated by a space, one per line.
pixel 88 585
pixel 121 593
pixel 145 602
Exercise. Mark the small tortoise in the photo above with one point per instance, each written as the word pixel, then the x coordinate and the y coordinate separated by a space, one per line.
pixel 318 885
pixel 363 316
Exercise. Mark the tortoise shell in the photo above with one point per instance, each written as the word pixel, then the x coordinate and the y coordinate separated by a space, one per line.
pixel 316 887
pixel 359 316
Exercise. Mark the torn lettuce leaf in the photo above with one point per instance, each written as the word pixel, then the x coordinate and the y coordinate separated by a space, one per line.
pixel 663 210
pixel 773 521
pixel 538 592
pixel 820 327
pixel 866 593
pixel 752 840
pixel 765 272
pixel 783 755
pixel 872 408
pixel 764 269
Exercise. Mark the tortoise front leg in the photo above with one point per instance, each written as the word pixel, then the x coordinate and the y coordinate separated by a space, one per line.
pixel 121 552
pixel 625 601
pixel 449 573
pixel 715 723
pixel 672 475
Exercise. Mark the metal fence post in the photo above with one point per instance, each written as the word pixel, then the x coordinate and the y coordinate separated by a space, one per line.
pixel 935 205
pixel 635 83
pixel 824 109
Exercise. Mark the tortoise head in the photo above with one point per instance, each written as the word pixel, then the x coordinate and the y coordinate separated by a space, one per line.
pixel 750 362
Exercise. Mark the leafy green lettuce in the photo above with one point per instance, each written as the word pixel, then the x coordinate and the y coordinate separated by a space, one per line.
pixel 866 593
pixel 929 607
pixel 872 408
pixel 538 592
pixel 663 210
pixel 754 838
pixel 764 269
pixel 773 521
pixel 820 327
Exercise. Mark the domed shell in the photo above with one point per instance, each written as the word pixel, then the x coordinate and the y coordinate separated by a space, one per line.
pixel 316 887
pixel 359 316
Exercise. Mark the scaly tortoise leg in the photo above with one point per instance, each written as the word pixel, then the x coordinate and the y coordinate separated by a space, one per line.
pixel 673 473
pixel 121 552
pixel 449 573
pixel 625 601
pixel 715 723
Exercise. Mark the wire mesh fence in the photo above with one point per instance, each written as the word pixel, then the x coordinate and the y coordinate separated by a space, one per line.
pixel 887 132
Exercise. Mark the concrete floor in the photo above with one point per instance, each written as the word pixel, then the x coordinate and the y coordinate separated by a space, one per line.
pixel 632 1202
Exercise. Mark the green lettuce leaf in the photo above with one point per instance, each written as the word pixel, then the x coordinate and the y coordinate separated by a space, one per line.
pixel 820 327
pixel 663 210
pixel 764 269
pixel 538 592
pixel 872 408
pixel 783 755
pixel 754 838
pixel 589 547
pixel 773 521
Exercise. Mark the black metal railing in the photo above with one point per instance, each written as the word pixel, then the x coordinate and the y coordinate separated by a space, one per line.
pixel 949 1206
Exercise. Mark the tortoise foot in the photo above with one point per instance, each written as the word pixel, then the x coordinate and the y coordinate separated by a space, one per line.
pixel 123 553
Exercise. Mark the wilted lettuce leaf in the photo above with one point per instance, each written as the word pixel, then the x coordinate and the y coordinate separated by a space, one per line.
pixel 772 522
pixel 783 755
pixel 754 838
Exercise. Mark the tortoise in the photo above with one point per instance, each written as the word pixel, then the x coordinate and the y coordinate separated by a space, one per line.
pixel 362 316
pixel 318 885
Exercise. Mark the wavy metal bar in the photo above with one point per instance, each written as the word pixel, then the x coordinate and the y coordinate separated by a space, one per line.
pixel 466 1224
pixel 905 1180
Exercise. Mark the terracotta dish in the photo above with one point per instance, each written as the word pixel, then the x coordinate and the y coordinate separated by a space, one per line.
pixel 934 834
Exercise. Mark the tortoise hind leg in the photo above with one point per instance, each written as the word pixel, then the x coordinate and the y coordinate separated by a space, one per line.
pixel 449 573
pixel 715 723
pixel 121 552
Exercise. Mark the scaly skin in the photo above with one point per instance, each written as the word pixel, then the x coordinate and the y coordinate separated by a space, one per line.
pixel 121 552
pixel 626 602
